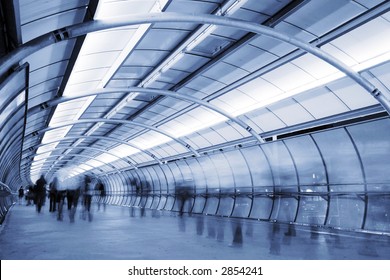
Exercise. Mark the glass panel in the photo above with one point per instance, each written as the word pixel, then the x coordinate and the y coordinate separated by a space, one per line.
pixel 155 181
pixel 161 177
pixel 149 202
pixel 184 188
pixel 258 166
pixel 146 186
pixel 197 175
pixel 262 205
pixel 262 181
pixel 378 208
pixel 340 157
pixel 162 203
pixel 242 206
pixel 211 205
pixel 308 161
pixel 312 208
pixel 285 204
pixel 372 142
pixel 224 170
pixel 177 176
pixel 285 180
pixel 239 167
pixel 169 203
pixel 156 202
pixel 345 211
pixel 199 204
pixel 169 178
pixel 210 173
pixel 282 166
pixel 226 203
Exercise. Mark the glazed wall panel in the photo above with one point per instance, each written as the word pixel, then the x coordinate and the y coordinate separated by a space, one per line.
pixel 261 176
pixel 285 181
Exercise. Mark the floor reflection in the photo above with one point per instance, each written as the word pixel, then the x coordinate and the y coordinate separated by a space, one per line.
pixel 136 233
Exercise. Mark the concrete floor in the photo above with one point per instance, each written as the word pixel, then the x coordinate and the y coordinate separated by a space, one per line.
pixel 121 233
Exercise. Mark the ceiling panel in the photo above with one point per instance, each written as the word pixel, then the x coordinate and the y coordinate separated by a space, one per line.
pixel 266 83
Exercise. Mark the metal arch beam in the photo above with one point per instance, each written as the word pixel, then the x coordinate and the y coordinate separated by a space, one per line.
pixel 46 169
pixel 55 156
pixel 86 148
pixel 102 138
pixel 57 168
pixel 81 29
pixel 78 155
pixel 119 121
pixel 168 93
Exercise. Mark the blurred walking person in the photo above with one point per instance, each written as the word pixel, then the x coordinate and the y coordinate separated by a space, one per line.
pixel 21 194
pixel 53 195
pixel 40 193
pixel 87 197
pixel 102 194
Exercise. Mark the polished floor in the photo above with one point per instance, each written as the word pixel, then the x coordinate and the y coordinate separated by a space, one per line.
pixel 126 233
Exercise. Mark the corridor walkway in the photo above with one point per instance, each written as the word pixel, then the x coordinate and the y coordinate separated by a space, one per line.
pixel 128 233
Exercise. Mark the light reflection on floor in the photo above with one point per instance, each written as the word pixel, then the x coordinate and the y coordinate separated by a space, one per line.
pixel 130 233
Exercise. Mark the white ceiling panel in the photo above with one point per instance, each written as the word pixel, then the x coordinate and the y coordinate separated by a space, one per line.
pixel 321 103
pixel 291 112
pixel 288 77
pixel 266 83
pixel 354 96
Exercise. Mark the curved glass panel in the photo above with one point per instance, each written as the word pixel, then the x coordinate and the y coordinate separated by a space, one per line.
pixel 285 180
pixel 261 177
pixel 378 208
pixel 345 211
pixel 199 185
pixel 243 183
pixel 312 180
pixel 340 157
pixel 345 176
pixel 372 142
pixel 184 188
pixel 227 184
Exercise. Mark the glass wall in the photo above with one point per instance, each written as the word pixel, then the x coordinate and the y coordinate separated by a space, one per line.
pixel 335 178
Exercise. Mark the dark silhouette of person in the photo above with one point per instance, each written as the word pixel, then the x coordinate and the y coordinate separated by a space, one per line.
pixel 30 195
pixel 145 191
pixel 72 196
pixel 40 193
pixel 60 199
pixel 88 193
pixel 21 194
pixel 102 194
pixel 87 197
pixel 53 194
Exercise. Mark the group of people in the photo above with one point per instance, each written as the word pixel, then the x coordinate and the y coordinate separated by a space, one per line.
pixel 34 194
pixel 70 191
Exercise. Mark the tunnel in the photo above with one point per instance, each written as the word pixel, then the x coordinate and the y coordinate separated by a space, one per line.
pixel 181 129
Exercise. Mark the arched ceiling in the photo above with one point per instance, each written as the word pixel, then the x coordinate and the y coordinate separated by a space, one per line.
pixel 173 86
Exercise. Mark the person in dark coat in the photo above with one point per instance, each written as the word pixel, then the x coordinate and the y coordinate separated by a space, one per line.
pixel 40 192
pixel 53 194
pixel 21 194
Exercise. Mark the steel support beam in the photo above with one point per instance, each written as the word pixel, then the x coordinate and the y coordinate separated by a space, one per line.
pixel 168 93
pixel 127 122
pixel 86 148
pixel 106 138
pixel 77 30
